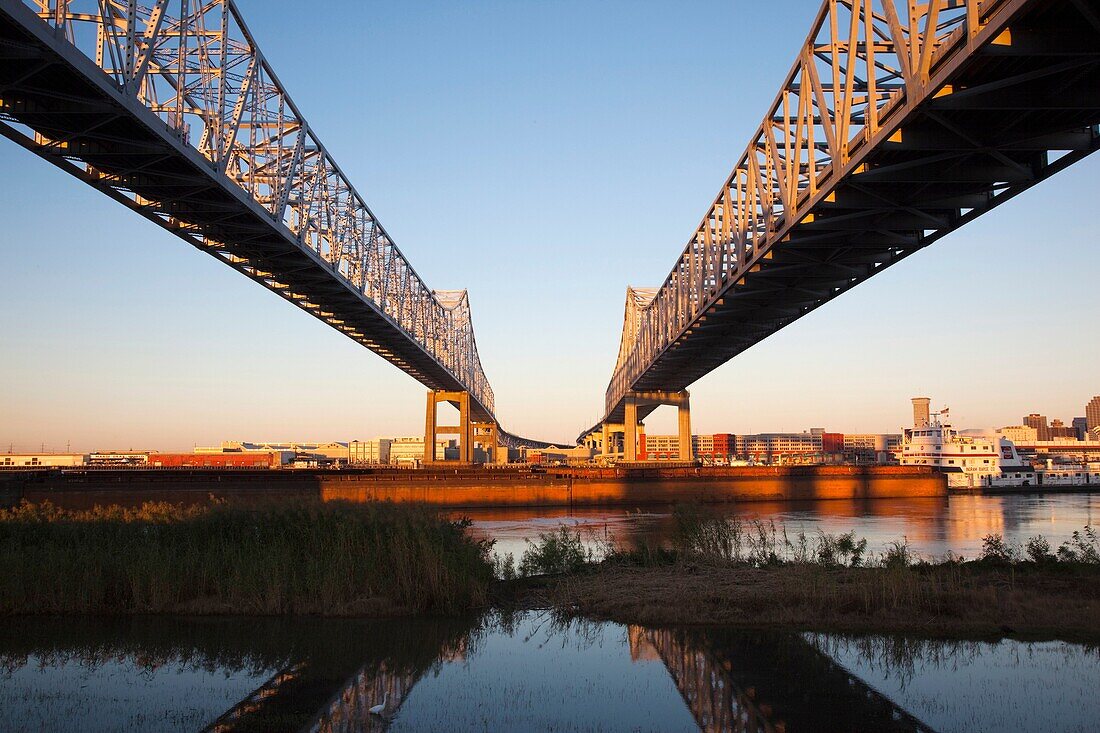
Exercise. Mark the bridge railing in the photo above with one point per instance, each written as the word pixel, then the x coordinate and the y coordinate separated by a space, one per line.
pixel 862 63
pixel 195 64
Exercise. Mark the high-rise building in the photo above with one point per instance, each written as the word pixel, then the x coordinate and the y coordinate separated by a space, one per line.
pixel 1081 426
pixel 1092 413
pixel 1039 422
pixel 922 417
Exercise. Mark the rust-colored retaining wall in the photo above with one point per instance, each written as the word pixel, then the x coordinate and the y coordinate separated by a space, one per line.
pixel 468 488
pixel 611 487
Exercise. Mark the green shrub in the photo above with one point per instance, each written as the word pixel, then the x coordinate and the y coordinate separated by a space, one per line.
pixel 556 552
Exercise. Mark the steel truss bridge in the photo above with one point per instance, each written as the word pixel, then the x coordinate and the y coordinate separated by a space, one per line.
pixel 899 122
pixel 171 109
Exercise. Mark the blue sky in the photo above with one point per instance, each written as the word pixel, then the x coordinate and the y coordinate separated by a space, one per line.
pixel 543 155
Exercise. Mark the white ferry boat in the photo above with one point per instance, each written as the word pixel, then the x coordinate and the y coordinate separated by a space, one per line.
pixel 974 461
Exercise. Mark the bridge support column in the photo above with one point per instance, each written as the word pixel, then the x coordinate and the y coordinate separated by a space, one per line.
pixel 683 420
pixel 630 437
pixel 487 436
pixel 680 400
pixel 612 433
pixel 464 429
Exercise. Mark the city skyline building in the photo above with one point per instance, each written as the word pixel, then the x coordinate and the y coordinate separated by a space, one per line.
pixel 1080 425
pixel 1039 423
pixel 1092 413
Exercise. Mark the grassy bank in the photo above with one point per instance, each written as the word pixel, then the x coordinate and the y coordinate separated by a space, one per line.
pixel 722 571
pixel 333 558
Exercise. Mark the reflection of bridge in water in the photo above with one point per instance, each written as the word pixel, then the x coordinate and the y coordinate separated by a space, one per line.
pixel 333 699
pixel 334 679
pixel 349 710
pixel 766 682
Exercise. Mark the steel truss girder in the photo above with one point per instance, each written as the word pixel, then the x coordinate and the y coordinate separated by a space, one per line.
pixel 197 134
pixel 888 133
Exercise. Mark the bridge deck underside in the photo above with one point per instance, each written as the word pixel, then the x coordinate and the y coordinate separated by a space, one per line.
pixel 119 146
pixel 1021 113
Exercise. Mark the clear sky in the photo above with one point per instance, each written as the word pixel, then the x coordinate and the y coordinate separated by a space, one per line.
pixel 543 155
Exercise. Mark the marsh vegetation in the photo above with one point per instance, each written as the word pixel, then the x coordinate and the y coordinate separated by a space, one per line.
pixel 285 558
pixel 379 559
pixel 724 570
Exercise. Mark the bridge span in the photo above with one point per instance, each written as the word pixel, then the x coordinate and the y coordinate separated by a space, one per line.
pixel 899 122
pixel 171 109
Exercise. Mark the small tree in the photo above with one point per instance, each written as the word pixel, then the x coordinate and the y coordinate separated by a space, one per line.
pixel 995 549
pixel 1038 550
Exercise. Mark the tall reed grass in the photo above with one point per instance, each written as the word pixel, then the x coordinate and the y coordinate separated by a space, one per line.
pixel 308 558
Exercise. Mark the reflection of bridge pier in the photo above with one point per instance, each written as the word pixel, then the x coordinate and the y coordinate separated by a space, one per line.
pixel 337 677
pixel 349 710
pixel 760 682
pixel 715 702
pixel 331 702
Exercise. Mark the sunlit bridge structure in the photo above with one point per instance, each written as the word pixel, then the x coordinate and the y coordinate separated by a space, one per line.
pixel 899 122
pixel 170 108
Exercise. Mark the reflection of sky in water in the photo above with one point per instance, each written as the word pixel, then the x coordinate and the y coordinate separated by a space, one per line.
pixel 534 677
pixel 117 696
pixel 931 526
pixel 1009 685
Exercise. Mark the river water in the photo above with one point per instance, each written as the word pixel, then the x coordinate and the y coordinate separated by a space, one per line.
pixel 932 527
pixel 526 672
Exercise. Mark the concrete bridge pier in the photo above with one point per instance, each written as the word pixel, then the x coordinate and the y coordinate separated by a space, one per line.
pixel 486 435
pixel 471 434
pixel 614 438
pixel 464 429
pixel 681 400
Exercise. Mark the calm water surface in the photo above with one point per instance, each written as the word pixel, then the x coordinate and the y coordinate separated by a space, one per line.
pixel 526 672
pixel 932 527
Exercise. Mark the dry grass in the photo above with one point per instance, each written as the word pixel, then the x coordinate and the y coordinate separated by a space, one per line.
pixel 306 558
pixel 949 598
